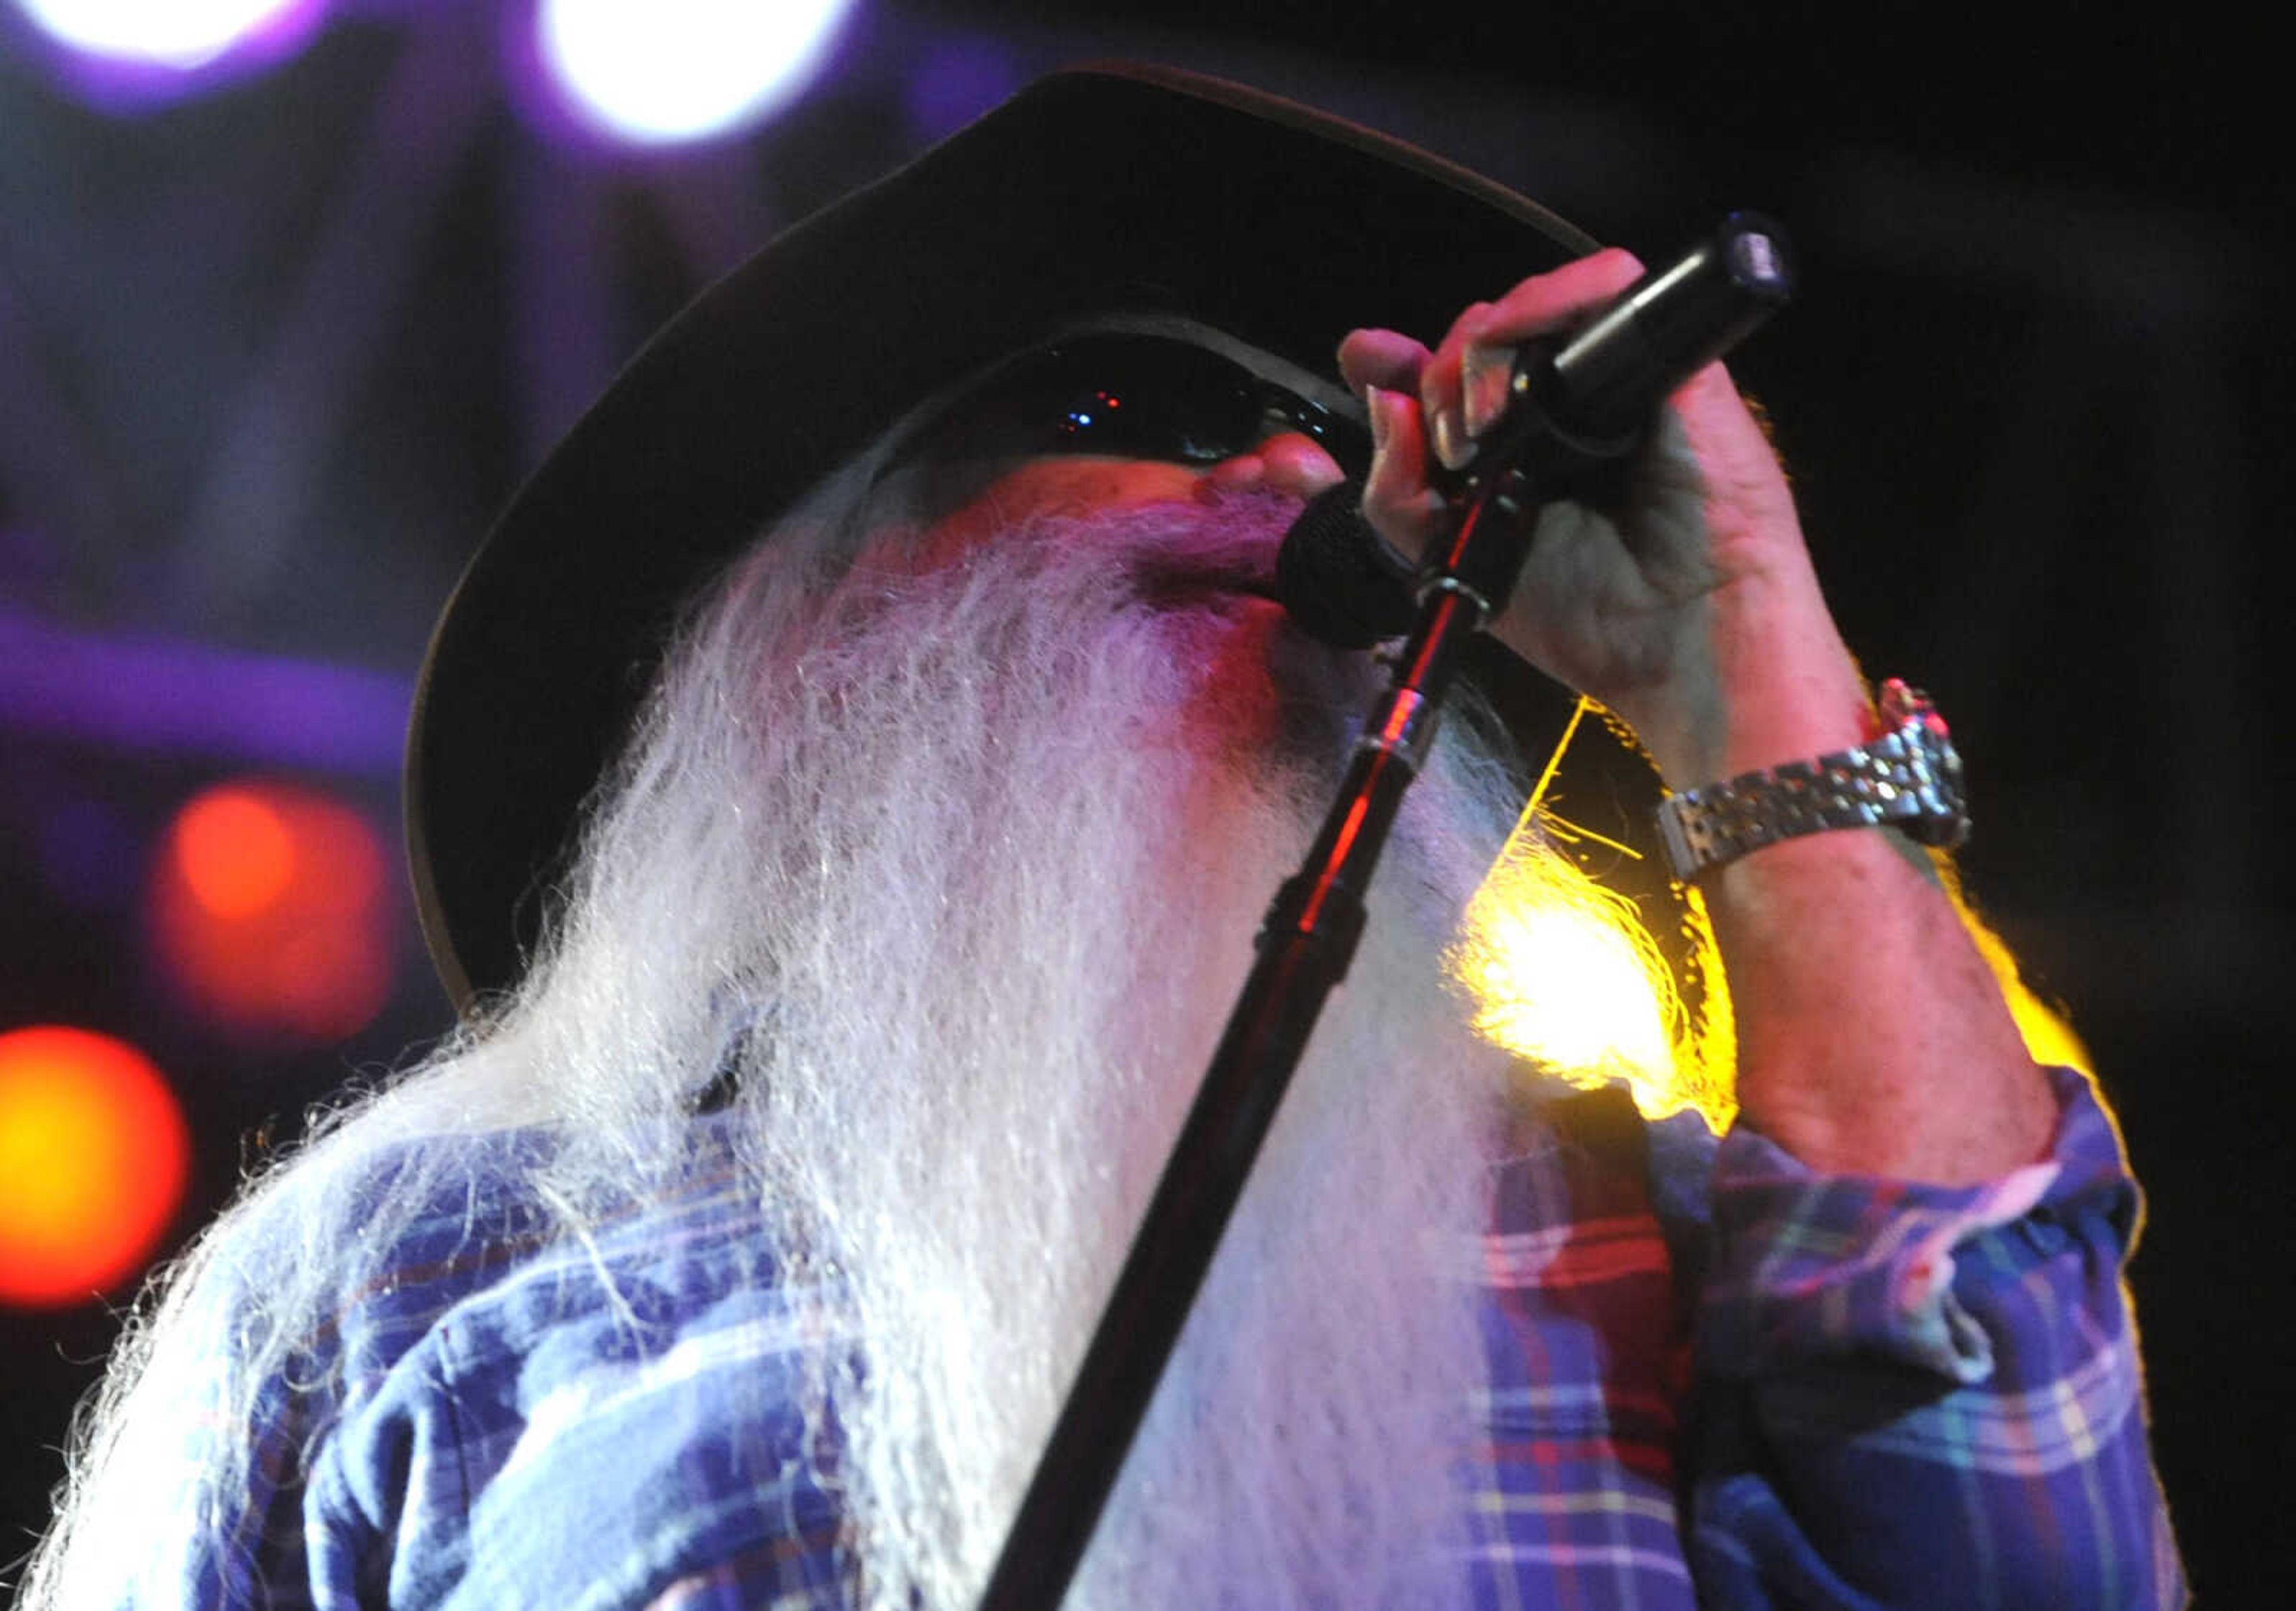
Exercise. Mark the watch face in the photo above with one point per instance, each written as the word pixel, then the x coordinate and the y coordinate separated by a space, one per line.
pixel 1944 819
pixel 1941 817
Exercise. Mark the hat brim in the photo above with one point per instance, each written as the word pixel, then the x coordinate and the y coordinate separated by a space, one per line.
pixel 1119 188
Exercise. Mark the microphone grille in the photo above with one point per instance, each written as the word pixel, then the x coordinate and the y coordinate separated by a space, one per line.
pixel 1338 578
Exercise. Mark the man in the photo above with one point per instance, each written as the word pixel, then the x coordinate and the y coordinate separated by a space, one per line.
pixel 741 1250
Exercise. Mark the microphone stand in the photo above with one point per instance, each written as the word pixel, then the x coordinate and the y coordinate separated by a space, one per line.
pixel 1573 414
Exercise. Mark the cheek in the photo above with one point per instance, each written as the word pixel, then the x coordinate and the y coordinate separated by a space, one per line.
pixel 1078 486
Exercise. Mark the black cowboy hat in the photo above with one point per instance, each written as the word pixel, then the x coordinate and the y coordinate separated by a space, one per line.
pixel 1116 190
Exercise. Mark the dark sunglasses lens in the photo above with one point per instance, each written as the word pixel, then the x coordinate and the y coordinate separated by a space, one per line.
pixel 1153 400
pixel 1135 397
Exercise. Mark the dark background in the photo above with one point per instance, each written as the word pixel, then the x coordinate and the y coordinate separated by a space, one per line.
pixel 269 356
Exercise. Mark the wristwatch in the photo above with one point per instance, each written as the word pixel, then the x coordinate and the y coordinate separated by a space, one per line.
pixel 1909 778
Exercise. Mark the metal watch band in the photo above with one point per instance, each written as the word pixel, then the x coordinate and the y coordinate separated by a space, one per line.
pixel 1910 777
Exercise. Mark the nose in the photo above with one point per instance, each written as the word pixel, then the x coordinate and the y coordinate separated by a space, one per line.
pixel 1293 461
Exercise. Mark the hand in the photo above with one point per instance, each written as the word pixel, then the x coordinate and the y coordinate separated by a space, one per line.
pixel 1694 613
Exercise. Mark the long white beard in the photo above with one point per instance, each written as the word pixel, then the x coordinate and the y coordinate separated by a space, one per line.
pixel 978 852
pixel 1009 830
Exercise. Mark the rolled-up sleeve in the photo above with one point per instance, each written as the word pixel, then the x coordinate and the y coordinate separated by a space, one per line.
pixel 1915 1394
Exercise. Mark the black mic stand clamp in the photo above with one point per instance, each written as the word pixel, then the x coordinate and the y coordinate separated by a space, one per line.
pixel 1572 414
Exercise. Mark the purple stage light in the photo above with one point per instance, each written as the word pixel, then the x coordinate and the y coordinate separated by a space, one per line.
pixel 154 696
pixel 125 56
pixel 671 72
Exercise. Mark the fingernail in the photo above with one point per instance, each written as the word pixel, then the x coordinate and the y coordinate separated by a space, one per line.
pixel 1380 402
pixel 1484 374
pixel 1452 444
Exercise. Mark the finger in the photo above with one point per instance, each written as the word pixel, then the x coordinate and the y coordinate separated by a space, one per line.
pixel 1439 397
pixel 1546 303
pixel 1537 307
pixel 1384 359
pixel 1396 499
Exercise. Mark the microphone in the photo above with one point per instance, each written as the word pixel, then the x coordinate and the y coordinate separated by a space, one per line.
pixel 1578 405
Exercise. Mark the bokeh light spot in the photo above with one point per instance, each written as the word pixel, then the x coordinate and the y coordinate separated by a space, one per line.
pixel 235 851
pixel 672 71
pixel 182 34
pixel 269 912
pixel 94 1159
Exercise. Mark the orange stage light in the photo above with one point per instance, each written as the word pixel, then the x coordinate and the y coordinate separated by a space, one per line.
pixel 269 911
pixel 235 851
pixel 94 1159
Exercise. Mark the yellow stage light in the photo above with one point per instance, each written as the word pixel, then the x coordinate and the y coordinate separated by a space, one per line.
pixel 93 1157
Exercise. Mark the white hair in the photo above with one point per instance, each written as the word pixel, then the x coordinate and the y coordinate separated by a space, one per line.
pixel 976 850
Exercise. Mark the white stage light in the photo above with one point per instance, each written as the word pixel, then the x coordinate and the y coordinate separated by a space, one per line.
pixel 659 71
pixel 181 34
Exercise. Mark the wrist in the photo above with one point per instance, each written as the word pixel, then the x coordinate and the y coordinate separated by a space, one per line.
pixel 1763 678
pixel 1907 776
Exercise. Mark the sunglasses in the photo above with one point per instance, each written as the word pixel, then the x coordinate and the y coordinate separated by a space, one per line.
pixel 1132 395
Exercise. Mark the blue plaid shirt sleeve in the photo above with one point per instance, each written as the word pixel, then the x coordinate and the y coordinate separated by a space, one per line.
pixel 1918 1395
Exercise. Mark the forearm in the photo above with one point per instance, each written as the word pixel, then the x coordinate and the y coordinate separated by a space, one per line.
pixel 1872 1038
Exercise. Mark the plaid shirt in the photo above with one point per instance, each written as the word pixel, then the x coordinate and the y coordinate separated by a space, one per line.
pixel 1714 1378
